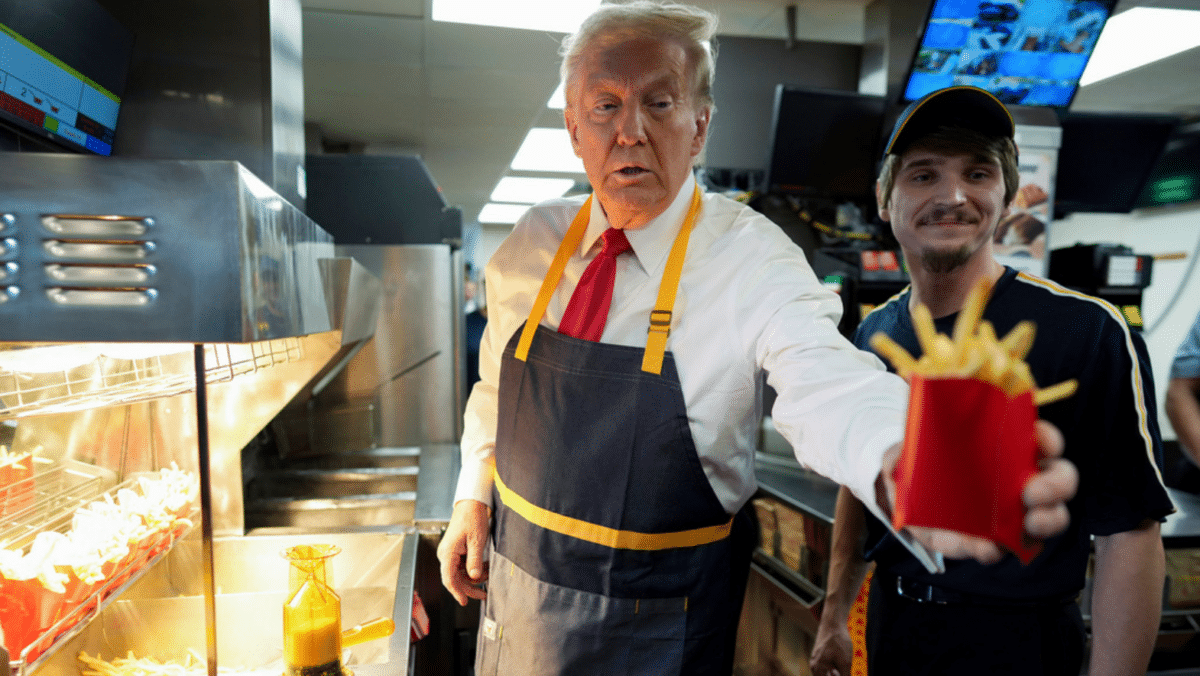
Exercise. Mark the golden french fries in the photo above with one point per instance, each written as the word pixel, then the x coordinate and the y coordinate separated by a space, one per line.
pixel 974 351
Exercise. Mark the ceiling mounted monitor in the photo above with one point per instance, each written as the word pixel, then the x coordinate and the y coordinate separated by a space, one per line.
pixel 1105 159
pixel 63 66
pixel 825 143
pixel 1026 52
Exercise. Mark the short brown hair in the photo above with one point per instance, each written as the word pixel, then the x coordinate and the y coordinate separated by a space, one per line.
pixel 957 141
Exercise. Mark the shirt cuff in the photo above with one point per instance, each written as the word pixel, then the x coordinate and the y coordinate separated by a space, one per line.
pixel 475 483
pixel 868 466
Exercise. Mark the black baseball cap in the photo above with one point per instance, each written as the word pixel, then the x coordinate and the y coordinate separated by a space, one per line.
pixel 959 106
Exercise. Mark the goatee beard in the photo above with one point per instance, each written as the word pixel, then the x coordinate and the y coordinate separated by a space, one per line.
pixel 943 261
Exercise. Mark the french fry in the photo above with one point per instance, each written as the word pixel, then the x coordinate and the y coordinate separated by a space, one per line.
pixel 899 357
pixel 1020 339
pixel 972 310
pixel 974 351
pixel 1053 393
pixel 987 332
pixel 923 324
pixel 942 354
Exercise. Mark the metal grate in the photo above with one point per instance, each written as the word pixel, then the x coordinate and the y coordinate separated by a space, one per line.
pixel 61 491
pixel 47 499
pixel 114 375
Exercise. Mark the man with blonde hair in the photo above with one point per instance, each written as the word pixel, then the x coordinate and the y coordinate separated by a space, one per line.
pixel 609 472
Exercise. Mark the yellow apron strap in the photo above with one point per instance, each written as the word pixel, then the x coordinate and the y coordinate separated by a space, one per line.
pixel 569 244
pixel 660 316
pixel 603 535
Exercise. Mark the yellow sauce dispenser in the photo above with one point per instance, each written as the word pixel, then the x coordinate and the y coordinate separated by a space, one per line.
pixel 312 616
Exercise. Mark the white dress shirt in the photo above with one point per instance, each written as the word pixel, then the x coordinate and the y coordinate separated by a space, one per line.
pixel 747 303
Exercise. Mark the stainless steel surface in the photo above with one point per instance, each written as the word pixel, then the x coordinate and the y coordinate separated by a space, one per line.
pixel 336 483
pixel 402 457
pixel 801 488
pixel 203 462
pixel 226 260
pixel 112 385
pixel 161 616
pixel 435 493
pixel 284 109
pixel 352 296
pixel 216 80
pixel 365 489
pixel 407 377
pixel 346 513
pixel 1182 529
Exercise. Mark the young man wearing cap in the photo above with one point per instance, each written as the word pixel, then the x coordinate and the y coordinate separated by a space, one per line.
pixel 949 175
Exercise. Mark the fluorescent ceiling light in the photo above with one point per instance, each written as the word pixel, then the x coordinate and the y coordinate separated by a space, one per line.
pixel 558 100
pixel 502 213
pixel 1139 36
pixel 530 190
pixel 560 16
pixel 547 150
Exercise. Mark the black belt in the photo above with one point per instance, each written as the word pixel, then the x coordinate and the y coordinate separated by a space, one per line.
pixel 921 592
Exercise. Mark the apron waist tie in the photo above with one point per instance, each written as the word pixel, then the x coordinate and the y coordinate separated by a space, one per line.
pixel 603 535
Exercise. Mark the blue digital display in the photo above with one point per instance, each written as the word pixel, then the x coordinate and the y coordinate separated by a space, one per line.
pixel 1026 52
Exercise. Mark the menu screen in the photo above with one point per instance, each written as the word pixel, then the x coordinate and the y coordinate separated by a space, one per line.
pixel 1026 52
pixel 44 92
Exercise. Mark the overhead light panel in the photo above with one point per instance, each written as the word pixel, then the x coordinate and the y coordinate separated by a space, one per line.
pixel 502 213
pixel 1140 36
pixel 526 190
pixel 547 149
pixel 560 16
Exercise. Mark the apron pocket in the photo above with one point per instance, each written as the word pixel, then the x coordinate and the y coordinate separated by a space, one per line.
pixel 530 627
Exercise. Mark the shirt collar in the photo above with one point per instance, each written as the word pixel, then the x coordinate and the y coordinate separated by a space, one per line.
pixel 651 242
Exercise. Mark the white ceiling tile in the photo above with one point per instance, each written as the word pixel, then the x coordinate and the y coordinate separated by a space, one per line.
pixel 357 77
pixel 488 85
pixel 360 37
pixel 458 45
pixel 413 8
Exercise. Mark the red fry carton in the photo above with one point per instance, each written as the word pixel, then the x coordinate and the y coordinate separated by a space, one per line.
pixel 968 451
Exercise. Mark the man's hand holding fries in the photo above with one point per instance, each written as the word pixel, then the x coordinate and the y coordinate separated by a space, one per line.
pixel 975 353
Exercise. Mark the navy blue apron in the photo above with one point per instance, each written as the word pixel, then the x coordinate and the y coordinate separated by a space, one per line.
pixel 612 553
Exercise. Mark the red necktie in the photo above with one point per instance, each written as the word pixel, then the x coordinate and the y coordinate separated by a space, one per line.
pixel 588 310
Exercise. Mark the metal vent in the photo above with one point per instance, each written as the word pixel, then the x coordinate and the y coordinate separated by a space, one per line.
pixel 98 260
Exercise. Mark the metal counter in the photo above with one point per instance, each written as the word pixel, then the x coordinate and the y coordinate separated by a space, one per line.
pixel 807 491
pixel 162 614
pixel 816 496
pixel 1182 529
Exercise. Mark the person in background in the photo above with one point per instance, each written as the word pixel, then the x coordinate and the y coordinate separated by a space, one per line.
pixel 1183 409
pixel 949 175
pixel 608 448
pixel 476 320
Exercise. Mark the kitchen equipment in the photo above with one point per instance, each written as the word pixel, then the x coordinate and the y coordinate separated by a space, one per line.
pixel 156 312
pixel 312 616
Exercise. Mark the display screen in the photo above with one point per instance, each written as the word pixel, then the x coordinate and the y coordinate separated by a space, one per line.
pixel 1026 52
pixel 1104 160
pixel 825 143
pixel 1175 177
pixel 63 65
